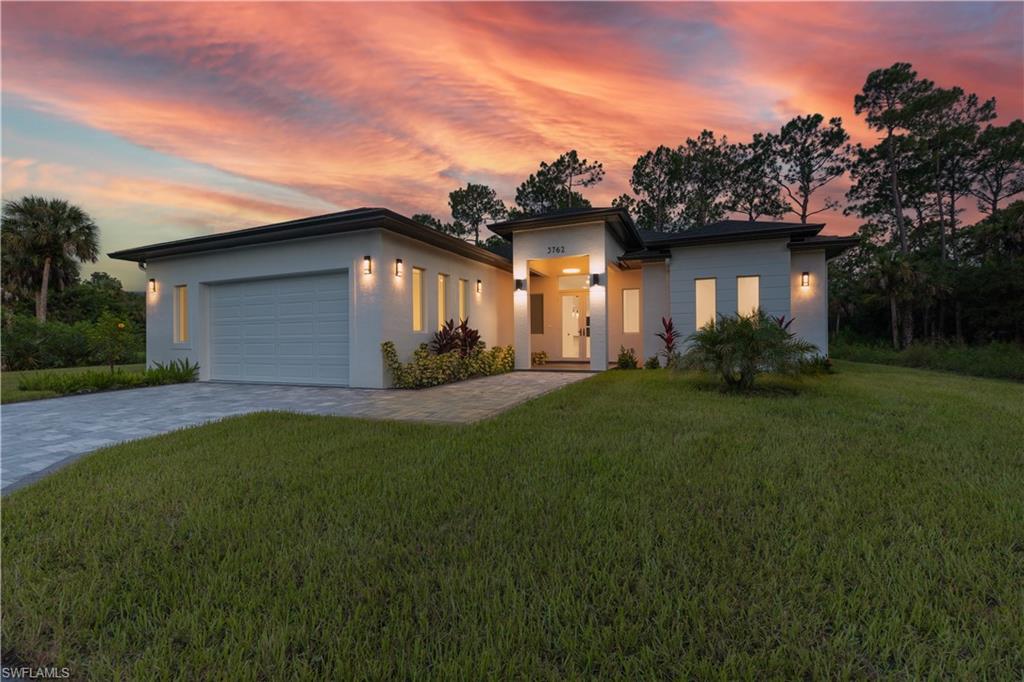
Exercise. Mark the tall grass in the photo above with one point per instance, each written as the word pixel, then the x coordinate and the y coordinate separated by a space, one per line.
pixel 994 360
pixel 65 383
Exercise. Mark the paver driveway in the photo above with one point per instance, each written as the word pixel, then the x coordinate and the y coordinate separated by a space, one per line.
pixel 41 436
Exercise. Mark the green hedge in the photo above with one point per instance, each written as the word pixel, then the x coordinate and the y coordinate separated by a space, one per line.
pixel 66 383
pixel 994 360
pixel 30 344
pixel 429 369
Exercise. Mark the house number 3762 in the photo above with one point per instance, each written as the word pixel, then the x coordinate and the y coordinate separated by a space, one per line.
pixel 556 249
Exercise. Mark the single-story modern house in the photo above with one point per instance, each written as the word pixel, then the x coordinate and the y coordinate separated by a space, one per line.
pixel 310 301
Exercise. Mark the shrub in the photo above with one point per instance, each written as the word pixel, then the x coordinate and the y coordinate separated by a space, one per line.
pixel 174 372
pixel 111 339
pixel 652 363
pixel 627 358
pixel 451 337
pixel 740 347
pixel 433 369
pixel 669 337
pixel 538 358
pixel 30 344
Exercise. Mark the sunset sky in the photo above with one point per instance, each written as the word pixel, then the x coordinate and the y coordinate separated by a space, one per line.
pixel 171 120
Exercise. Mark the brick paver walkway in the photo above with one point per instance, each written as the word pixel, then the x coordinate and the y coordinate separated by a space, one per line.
pixel 41 436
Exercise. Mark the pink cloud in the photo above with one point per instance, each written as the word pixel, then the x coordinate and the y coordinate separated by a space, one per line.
pixel 396 104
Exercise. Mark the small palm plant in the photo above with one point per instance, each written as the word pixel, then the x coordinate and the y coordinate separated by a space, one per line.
pixel 740 347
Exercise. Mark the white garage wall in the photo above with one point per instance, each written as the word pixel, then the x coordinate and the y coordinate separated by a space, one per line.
pixel 490 311
pixel 379 308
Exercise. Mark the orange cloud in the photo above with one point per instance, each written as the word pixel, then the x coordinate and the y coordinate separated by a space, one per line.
pixel 396 104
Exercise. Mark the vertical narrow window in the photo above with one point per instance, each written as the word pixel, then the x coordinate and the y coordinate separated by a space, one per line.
pixel 630 311
pixel 748 294
pixel 536 313
pixel 705 301
pixel 181 314
pixel 417 300
pixel 463 300
pixel 442 300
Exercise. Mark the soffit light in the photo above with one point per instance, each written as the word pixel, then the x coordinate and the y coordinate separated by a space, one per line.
pixel 570 271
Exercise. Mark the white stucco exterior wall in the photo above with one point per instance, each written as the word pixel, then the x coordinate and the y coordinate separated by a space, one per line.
pixel 810 303
pixel 380 304
pixel 766 258
pixel 576 240
pixel 655 296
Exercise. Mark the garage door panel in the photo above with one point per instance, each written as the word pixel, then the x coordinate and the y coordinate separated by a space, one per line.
pixel 287 330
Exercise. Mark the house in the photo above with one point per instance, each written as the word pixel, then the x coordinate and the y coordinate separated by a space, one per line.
pixel 310 301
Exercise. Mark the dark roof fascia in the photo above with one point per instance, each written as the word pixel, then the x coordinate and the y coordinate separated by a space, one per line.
pixel 317 226
pixel 832 246
pixel 622 224
pixel 685 240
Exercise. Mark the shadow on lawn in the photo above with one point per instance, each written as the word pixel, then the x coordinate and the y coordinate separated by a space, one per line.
pixel 766 386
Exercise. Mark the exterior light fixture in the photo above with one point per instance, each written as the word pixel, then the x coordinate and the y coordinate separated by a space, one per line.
pixel 520 285
pixel 805 279
pixel 367 265
pixel 479 286
pixel 595 279
pixel 398 267
pixel 570 271
pixel 152 285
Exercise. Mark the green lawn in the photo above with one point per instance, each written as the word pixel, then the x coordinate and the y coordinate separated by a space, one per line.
pixel 10 393
pixel 637 524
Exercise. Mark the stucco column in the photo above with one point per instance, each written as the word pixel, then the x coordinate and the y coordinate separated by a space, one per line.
pixel 521 314
pixel 599 315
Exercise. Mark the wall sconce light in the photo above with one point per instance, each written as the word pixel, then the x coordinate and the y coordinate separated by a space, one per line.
pixel 367 265
pixel 479 286
pixel 520 285
pixel 398 267
pixel 805 279
pixel 152 285
pixel 595 279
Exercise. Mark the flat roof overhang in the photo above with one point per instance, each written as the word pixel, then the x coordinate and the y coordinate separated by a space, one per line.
pixel 832 246
pixel 617 220
pixel 316 226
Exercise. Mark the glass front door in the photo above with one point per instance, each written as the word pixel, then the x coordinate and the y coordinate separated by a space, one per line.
pixel 575 327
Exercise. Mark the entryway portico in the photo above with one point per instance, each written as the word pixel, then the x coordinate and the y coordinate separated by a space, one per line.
pixel 574 297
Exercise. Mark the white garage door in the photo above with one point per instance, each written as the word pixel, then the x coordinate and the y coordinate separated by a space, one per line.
pixel 289 330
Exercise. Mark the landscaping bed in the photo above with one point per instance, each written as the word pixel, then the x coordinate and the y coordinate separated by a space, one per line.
pixel 633 525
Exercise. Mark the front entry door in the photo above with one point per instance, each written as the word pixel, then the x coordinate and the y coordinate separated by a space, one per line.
pixel 575 327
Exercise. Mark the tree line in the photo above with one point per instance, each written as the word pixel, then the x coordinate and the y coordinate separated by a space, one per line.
pixel 917 266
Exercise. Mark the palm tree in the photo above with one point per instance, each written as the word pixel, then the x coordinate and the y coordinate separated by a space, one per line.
pixel 44 240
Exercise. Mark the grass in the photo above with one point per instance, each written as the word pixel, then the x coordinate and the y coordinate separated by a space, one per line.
pixel 994 360
pixel 631 525
pixel 10 393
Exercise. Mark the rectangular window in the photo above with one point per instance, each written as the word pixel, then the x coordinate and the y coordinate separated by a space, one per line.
pixel 463 300
pixel 442 300
pixel 630 311
pixel 181 314
pixel 748 294
pixel 418 317
pixel 536 313
pixel 705 301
